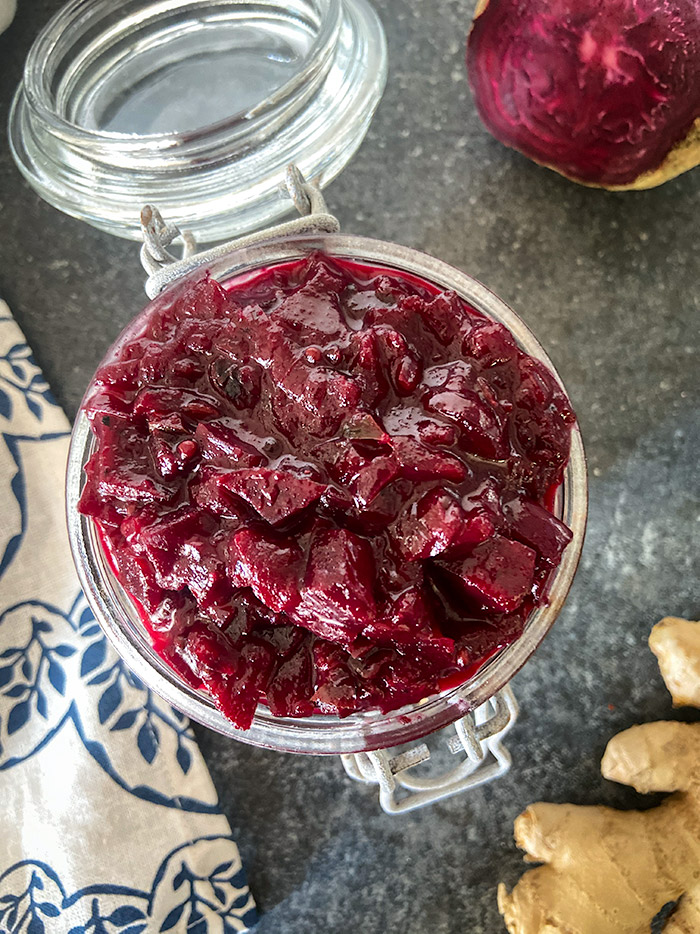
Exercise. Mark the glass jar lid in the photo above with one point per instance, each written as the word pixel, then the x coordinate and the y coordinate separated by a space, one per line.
pixel 197 105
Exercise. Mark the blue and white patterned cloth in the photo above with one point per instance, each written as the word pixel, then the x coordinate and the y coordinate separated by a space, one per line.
pixel 109 822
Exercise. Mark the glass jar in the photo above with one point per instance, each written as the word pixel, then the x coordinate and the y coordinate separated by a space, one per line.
pixel 321 734
pixel 199 105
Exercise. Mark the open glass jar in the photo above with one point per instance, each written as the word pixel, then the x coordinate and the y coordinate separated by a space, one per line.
pixel 197 104
pixel 366 732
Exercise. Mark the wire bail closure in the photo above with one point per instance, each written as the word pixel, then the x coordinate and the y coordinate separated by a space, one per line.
pixel 479 738
pixel 164 268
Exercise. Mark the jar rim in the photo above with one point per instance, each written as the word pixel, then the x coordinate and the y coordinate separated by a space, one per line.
pixel 324 734
pixel 228 179
pixel 35 87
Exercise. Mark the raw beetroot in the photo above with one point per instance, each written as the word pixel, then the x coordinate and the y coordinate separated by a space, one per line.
pixel 604 91
pixel 327 487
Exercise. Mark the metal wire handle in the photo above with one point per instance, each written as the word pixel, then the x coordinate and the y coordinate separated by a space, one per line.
pixel 164 268
pixel 479 739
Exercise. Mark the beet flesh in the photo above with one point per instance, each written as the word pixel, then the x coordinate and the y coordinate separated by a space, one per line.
pixel 600 90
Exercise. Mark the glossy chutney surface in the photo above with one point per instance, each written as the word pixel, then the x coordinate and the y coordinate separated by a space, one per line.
pixel 326 485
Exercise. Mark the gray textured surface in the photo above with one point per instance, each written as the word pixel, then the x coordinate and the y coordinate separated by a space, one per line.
pixel 609 282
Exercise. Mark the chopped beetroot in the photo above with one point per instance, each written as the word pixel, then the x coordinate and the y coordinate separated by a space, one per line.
pixel 172 409
pixel 337 597
pixel 124 469
pixel 421 463
pixel 289 692
pixel 138 576
pixel 497 574
pixel 163 540
pixel 172 454
pixel 438 523
pixel 342 459
pixel 337 688
pixel 370 480
pixel 538 528
pixel 122 375
pixel 220 444
pixel 110 406
pixel 327 486
pixel 92 503
pixel 412 610
pixel 437 650
pixel 409 626
pixel 205 300
pixel 270 566
pixel 312 398
pixel 431 433
pixel 236 684
pixel 478 421
pixel 364 427
pixel 399 359
pixel 209 491
pixel 310 316
pixel 444 315
pixel 363 469
pixel 183 550
pixel 274 494
pixel 403 679
pixel 491 343
pixel 368 367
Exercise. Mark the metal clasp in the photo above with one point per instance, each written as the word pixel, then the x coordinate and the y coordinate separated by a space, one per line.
pixel 164 268
pixel 479 737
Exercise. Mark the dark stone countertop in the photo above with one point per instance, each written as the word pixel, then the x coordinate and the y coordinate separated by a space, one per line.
pixel 609 282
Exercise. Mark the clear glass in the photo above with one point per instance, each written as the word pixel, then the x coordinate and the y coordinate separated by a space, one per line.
pixel 195 105
pixel 326 734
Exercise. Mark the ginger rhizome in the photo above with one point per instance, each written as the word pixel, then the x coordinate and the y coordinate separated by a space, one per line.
pixel 610 872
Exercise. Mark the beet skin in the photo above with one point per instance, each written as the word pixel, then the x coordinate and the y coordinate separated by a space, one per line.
pixel 599 90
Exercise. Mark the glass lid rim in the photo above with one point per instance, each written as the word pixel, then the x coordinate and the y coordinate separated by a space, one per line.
pixel 449 704
pixel 32 86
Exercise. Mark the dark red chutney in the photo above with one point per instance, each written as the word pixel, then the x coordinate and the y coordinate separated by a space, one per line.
pixel 326 485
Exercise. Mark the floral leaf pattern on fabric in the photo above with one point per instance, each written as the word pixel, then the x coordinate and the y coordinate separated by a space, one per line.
pixel 13 529
pixel 19 372
pixel 207 898
pixel 49 681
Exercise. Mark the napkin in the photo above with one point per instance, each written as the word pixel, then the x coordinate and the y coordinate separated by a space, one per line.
pixel 109 821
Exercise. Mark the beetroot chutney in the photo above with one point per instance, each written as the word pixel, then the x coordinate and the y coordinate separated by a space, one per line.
pixel 327 486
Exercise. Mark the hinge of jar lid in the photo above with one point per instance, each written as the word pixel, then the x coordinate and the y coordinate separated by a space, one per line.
pixel 164 268
pixel 479 740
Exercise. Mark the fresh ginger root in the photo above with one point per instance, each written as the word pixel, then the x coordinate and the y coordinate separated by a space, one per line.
pixel 676 644
pixel 608 871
